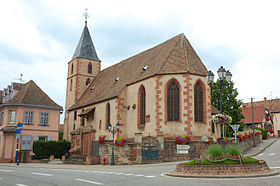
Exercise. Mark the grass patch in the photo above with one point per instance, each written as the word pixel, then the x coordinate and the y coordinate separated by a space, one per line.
pixel 246 160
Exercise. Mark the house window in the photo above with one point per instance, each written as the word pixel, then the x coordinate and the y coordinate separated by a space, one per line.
pixel 75 115
pixel 142 106
pixel 89 68
pixel 28 117
pixel 44 117
pixel 173 101
pixel 198 102
pixel 72 67
pixel 12 116
pixel 82 121
pixel 1 117
pixel 108 115
pixel 43 138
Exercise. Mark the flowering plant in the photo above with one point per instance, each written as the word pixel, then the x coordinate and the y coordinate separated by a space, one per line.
pixel 101 139
pixel 221 119
pixel 183 140
pixel 120 141
pixel 75 149
pixel 225 139
pixel 209 139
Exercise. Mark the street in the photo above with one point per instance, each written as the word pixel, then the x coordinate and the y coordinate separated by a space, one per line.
pixel 127 175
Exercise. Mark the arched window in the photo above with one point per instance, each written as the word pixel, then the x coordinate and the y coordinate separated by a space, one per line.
pixel 72 67
pixel 89 68
pixel 142 105
pixel 108 115
pixel 198 102
pixel 173 101
pixel 87 81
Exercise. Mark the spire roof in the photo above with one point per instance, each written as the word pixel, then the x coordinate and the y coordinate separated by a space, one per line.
pixel 85 48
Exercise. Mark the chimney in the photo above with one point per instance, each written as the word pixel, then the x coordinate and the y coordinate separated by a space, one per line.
pixel 264 98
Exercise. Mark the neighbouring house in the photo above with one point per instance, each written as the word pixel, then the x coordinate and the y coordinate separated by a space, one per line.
pixel 270 113
pixel 28 104
pixel 157 94
pixel 260 119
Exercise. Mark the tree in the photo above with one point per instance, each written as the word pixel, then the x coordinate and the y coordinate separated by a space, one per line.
pixel 231 105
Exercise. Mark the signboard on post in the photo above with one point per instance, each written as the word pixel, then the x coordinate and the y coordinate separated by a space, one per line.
pixel 18 131
pixel 183 149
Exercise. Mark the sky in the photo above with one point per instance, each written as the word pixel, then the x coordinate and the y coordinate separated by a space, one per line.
pixel 38 38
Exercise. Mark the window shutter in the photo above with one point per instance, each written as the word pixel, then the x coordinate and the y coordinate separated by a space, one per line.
pixel 41 118
pixel 46 118
pixel 30 117
pixel 25 120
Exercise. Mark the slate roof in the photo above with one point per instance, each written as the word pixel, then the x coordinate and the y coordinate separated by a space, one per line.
pixel 32 94
pixel 175 55
pixel 272 105
pixel 85 48
pixel 258 114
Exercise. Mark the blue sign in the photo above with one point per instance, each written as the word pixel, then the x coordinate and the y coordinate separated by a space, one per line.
pixel 19 124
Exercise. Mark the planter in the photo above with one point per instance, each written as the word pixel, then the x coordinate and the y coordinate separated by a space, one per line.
pixel 233 170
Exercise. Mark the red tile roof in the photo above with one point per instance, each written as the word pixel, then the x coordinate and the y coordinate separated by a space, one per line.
pixel 271 105
pixel 258 114
pixel 32 94
pixel 175 55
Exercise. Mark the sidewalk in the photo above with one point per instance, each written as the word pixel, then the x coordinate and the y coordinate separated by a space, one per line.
pixel 260 147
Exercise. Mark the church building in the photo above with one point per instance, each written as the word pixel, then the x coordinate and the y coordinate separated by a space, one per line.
pixel 160 91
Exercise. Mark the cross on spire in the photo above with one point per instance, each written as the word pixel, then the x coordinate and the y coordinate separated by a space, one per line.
pixel 86 15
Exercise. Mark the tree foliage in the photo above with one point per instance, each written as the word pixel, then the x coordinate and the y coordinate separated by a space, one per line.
pixel 230 104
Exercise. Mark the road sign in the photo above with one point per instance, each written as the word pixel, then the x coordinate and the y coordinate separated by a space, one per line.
pixel 235 127
pixel 18 131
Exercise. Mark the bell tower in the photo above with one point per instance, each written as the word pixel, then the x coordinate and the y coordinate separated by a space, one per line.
pixel 82 69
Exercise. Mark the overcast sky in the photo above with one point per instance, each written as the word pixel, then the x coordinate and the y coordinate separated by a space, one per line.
pixel 38 38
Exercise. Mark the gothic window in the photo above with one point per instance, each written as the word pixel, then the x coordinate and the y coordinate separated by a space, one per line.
pixel 198 102
pixel 173 101
pixel 87 81
pixel 72 67
pixel 142 106
pixel 89 68
pixel 108 115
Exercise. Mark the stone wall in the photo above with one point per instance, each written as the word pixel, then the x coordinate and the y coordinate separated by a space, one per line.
pixel 123 154
pixel 222 170
pixel 131 152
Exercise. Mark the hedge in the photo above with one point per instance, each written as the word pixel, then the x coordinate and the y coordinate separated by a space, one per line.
pixel 47 148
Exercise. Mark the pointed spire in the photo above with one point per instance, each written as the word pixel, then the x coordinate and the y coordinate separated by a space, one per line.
pixel 85 48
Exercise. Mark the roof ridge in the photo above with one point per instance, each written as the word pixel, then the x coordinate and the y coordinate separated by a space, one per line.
pixel 164 61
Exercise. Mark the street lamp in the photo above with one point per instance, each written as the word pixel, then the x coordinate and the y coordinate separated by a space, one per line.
pixel 113 130
pixel 223 75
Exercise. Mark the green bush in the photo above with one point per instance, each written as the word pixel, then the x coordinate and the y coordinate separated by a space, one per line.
pixel 246 160
pixel 264 132
pixel 233 150
pixel 47 148
pixel 214 151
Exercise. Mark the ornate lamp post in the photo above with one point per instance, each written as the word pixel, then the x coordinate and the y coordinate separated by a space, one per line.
pixel 223 75
pixel 113 130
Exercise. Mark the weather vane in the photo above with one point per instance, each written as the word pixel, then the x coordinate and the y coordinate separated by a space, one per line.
pixel 86 15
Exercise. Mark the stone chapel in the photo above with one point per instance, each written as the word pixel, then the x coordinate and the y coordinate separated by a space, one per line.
pixel 160 91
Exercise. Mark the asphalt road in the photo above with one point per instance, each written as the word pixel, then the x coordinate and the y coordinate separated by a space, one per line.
pixel 129 175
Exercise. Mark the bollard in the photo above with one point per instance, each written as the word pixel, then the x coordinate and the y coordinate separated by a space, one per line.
pixel 104 160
